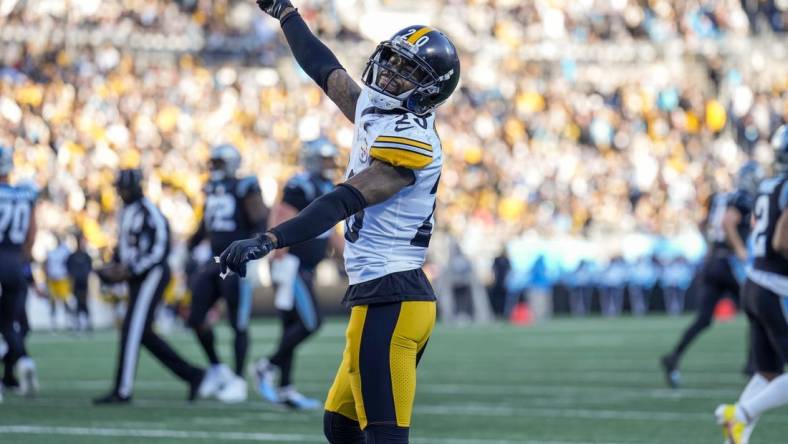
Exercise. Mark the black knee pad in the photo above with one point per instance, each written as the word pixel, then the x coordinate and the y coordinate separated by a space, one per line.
pixel 340 429
pixel 386 434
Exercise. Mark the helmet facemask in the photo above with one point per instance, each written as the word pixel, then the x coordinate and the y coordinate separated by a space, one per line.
pixel 218 169
pixel 397 72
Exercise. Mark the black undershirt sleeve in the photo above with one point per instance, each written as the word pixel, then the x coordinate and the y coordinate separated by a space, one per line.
pixel 320 216
pixel 312 55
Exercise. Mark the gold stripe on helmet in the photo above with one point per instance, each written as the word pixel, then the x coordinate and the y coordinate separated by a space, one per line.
pixel 418 34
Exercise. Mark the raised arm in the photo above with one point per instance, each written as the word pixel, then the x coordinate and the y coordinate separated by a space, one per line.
pixel 374 185
pixel 314 57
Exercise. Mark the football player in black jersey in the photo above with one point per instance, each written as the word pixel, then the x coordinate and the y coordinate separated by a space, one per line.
pixel 727 227
pixel 17 235
pixel 765 300
pixel 233 210
pixel 293 272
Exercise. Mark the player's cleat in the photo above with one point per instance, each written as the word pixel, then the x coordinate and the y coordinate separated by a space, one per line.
pixel 234 391
pixel 215 378
pixel 290 397
pixel 265 374
pixel 672 373
pixel 734 429
pixel 112 398
pixel 28 382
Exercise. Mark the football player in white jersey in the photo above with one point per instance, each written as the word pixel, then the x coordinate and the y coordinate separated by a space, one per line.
pixel 387 201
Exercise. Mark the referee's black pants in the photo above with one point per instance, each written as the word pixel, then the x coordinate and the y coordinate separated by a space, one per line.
pixel 145 293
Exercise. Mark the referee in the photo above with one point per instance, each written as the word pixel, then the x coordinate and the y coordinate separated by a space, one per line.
pixel 141 261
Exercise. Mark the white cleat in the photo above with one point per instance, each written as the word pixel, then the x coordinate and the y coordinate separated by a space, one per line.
pixel 264 374
pixel 28 377
pixel 216 376
pixel 233 392
pixel 290 397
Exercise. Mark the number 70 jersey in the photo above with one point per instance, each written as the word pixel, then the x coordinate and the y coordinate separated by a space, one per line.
pixel 393 236
pixel 16 209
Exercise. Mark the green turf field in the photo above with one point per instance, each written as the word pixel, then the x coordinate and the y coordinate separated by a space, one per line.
pixel 562 382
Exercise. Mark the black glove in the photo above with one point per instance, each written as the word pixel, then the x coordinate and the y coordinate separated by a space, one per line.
pixel 274 8
pixel 113 273
pixel 240 252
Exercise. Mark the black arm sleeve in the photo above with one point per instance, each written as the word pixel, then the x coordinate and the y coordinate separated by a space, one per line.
pixel 314 57
pixel 320 216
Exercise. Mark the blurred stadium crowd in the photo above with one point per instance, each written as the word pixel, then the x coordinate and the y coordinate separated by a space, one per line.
pixel 585 120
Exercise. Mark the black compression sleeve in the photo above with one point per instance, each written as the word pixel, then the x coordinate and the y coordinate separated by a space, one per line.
pixel 320 216
pixel 314 57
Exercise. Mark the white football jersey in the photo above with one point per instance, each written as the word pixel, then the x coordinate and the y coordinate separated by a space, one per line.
pixel 392 236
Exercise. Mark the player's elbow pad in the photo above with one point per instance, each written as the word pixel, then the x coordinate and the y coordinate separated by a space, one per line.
pixel 312 55
pixel 320 216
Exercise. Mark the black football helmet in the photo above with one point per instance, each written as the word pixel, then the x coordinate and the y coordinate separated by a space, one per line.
pixel 418 66
pixel 780 146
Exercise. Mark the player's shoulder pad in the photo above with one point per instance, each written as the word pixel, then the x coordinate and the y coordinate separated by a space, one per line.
pixel 741 200
pixel 782 198
pixel 247 185
pixel 405 144
pixel 301 182
pixel 27 192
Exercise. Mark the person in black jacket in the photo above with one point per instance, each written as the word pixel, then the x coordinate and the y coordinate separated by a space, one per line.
pixel 79 265
pixel 140 260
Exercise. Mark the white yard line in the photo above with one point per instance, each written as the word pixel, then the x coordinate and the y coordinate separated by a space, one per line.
pixel 149 433
pixel 243 436
pixel 479 409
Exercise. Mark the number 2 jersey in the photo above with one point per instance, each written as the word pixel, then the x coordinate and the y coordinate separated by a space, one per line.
pixel 16 208
pixel 225 219
pixel 386 244
pixel 770 268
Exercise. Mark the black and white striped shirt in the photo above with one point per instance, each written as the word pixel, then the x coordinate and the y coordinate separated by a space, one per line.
pixel 144 237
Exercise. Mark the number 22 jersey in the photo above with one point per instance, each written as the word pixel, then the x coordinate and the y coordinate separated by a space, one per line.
pixel 225 218
pixel 387 243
